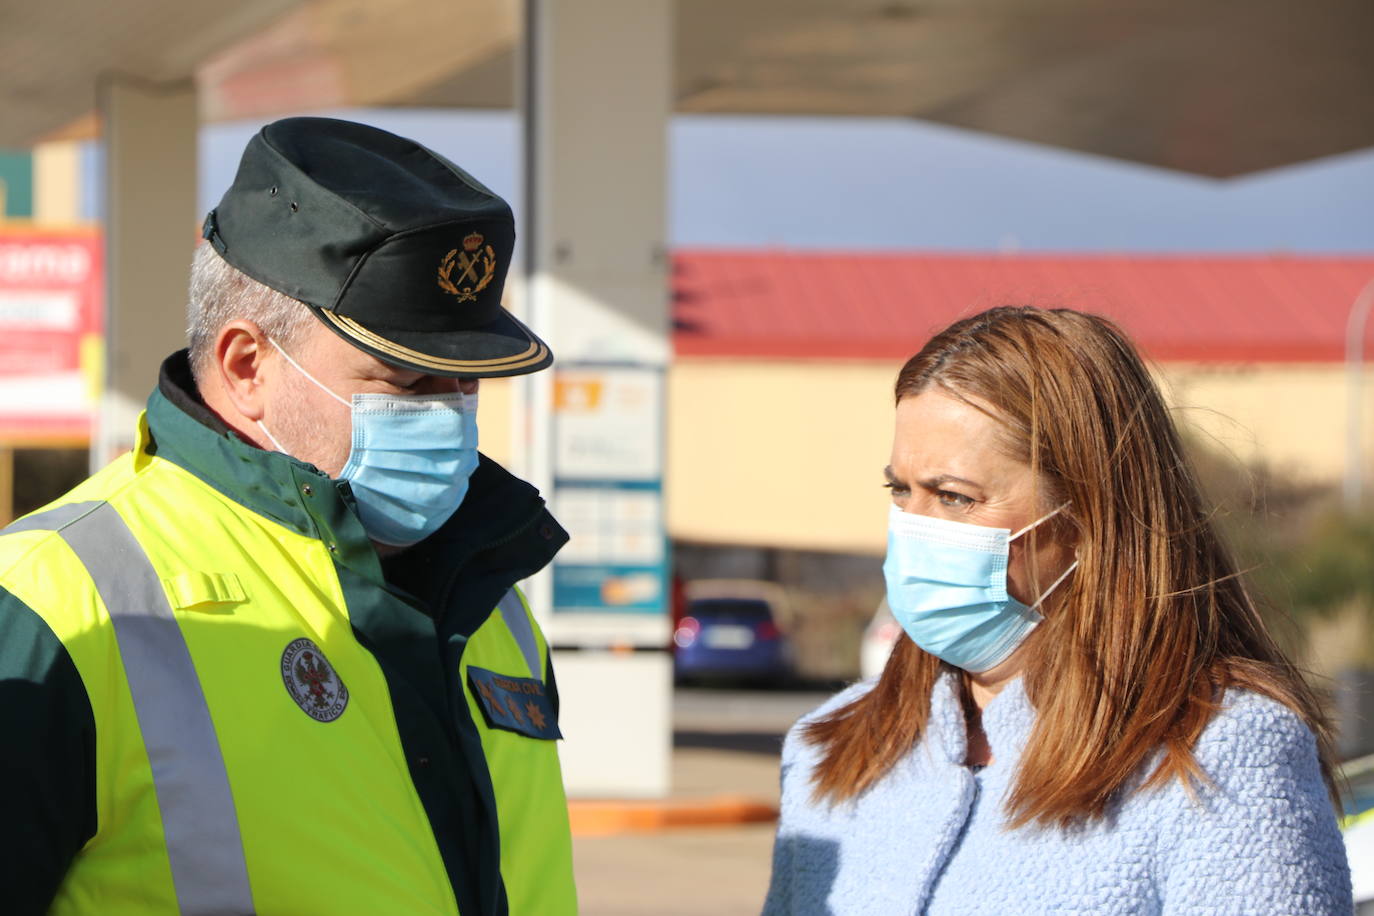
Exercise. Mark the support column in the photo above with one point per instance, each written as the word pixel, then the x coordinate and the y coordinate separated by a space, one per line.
pixel 6 485
pixel 150 232
pixel 597 94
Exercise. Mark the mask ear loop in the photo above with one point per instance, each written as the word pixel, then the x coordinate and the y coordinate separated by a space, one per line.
pixel 1043 518
pixel 301 369
pixel 1062 576
pixel 263 426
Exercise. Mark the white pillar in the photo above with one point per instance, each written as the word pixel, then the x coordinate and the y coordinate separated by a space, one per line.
pixel 597 95
pixel 150 232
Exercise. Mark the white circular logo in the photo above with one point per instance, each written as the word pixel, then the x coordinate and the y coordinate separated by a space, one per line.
pixel 312 681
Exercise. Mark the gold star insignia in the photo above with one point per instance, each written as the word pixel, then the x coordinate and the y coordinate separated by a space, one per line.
pixel 536 715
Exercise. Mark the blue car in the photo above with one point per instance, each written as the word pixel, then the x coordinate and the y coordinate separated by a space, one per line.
pixel 730 637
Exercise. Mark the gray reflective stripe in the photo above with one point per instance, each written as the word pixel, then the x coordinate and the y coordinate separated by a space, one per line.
pixel 198 818
pixel 518 622
pixel 51 520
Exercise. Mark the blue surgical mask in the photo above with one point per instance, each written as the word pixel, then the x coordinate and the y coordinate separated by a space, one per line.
pixel 947 587
pixel 410 459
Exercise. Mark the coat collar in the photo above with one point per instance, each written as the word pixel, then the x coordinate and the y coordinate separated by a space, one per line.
pixel 182 430
pixel 945 731
pixel 1007 721
pixel 935 771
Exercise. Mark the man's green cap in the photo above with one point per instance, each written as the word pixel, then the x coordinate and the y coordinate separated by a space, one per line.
pixel 393 247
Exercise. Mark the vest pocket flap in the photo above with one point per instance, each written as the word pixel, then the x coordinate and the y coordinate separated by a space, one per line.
pixel 195 589
pixel 516 704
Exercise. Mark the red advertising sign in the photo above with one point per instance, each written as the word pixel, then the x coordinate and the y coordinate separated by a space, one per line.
pixel 52 287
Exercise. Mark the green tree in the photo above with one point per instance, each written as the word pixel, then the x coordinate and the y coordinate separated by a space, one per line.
pixel 1303 559
pixel 1333 567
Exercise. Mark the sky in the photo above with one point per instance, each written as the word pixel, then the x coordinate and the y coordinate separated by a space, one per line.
pixel 882 183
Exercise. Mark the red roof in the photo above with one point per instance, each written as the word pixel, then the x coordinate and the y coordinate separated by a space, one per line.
pixel 884 306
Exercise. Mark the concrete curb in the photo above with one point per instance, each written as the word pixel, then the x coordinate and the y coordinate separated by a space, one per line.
pixel 609 818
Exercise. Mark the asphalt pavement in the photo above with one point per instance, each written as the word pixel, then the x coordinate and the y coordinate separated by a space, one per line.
pixel 726 743
pixel 741 711
pixel 698 872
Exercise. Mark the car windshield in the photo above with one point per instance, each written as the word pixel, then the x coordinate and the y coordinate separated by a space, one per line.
pixel 741 610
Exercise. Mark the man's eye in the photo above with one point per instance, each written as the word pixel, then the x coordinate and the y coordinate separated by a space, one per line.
pixel 898 489
pixel 953 500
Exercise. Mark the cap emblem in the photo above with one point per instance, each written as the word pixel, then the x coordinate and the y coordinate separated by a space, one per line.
pixel 312 681
pixel 475 266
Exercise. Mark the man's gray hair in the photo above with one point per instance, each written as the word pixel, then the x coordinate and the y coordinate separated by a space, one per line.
pixel 221 293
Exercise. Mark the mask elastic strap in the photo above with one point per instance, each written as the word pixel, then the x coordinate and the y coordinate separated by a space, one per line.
pixel 1062 576
pixel 301 370
pixel 1043 518
pixel 262 426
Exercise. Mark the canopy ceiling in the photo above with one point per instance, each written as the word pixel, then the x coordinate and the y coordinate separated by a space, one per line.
pixel 1213 87
pixel 54 53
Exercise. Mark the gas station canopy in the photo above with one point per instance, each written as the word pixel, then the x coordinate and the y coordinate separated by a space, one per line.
pixel 54 54
pixel 1213 87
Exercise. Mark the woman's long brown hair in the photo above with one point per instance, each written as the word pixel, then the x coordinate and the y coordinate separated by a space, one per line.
pixel 1153 627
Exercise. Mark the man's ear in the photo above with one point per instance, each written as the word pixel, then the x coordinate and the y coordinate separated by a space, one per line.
pixel 241 366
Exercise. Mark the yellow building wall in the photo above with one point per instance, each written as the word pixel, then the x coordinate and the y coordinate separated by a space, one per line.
pixel 57 183
pixel 790 453
pixel 779 453
pixel 494 422
pixel 786 454
pixel 1292 417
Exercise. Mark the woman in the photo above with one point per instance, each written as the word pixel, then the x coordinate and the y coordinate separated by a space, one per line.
pixel 1088 715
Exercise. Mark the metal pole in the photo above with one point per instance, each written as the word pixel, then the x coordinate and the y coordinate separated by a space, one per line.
pixel 533 400
pixel 1354 368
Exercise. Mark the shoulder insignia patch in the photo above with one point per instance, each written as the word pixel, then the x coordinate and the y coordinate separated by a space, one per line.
pixel 516 704
pixel 312 681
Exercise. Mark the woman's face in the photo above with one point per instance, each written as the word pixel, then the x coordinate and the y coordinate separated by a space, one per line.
pixel 947 462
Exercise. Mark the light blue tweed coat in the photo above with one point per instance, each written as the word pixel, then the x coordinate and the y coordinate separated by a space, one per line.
pixel 929 837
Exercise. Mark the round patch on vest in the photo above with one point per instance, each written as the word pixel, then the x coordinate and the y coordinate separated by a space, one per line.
pixel 312 681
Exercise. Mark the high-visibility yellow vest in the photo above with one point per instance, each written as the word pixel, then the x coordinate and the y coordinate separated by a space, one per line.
pixel 248 753
pixel 536 849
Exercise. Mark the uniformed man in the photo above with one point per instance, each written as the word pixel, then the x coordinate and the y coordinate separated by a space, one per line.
pixel 274 660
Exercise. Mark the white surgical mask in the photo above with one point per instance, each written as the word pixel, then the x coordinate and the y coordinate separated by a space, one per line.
pixel 410 459
pixel 947 587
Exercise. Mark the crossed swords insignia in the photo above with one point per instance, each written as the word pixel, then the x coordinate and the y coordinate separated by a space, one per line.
pixel 475 266
pixel 469 265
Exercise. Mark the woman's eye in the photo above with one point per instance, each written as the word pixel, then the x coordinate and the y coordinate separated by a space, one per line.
pixel 953 500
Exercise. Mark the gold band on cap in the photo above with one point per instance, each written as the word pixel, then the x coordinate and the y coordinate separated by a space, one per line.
pixel 536 352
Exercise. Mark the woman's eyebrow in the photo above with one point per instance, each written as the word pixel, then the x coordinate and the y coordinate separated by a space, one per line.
pixel 930 483
pixel 939 480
